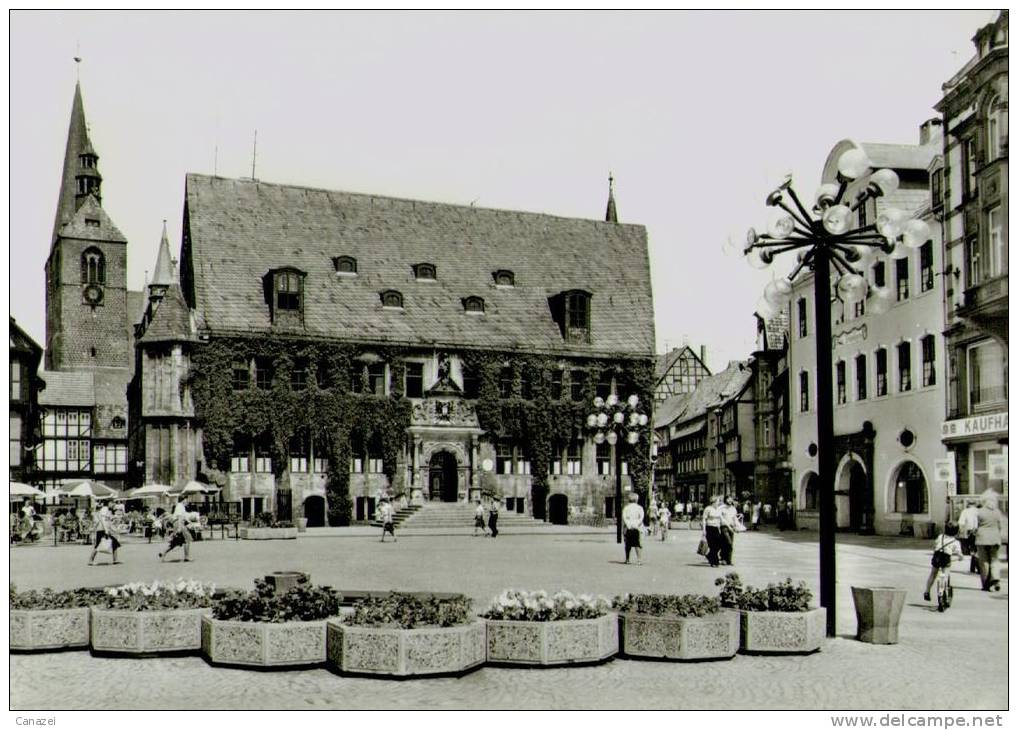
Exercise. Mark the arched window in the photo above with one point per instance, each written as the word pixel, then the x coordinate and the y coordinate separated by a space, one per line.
pixel 345 264
pixel 392 299
pixel 504 277
pixel 473 305
pixel 93 267
pixel 910 494
pixel 996 128
pixel 424 272
pixel 811 492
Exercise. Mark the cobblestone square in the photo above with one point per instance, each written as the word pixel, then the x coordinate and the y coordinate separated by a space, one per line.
pixel 969 641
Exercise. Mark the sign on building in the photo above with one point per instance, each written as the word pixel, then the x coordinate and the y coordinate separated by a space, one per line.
pixel 975 426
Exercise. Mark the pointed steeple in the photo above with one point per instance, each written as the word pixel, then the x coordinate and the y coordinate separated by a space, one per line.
pixel 81 177
pixel 165 272
pixel 611 214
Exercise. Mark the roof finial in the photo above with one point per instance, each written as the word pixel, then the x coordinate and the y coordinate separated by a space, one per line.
pixel 611 214
pixel 254 155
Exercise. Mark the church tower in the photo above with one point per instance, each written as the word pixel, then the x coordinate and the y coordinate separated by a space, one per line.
pixel 86 272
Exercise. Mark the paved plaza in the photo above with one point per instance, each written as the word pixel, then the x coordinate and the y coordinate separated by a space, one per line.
pixel 956 660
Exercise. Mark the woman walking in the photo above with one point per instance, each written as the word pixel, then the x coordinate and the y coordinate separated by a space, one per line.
pixel 104 530
pixel 990 528
pixel 493 518
pixel 729 516
pixel 711 522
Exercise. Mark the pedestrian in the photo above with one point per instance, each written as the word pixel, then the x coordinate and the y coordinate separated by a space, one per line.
pixel 779 515
pixel 747 511
pixel 945 548
pixel 27 520
pixel 729 517
pixel 990 531
pixel 104 530
pixel 479 519
pixel 385 515
pixel 755 515
pixel 180 533
pixel 711 529
pixel 768 511
pixel 652 514
pixel 967 524
pixel 632 520
pixel 493 518
pixel 663 520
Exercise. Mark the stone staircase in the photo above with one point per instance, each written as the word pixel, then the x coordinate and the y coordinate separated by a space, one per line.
pixel 444 515
pixel 399 516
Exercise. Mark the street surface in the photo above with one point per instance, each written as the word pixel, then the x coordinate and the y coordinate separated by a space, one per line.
pixel 951 661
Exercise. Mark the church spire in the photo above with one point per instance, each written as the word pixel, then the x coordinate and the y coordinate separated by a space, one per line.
pixel 611 214
pixel 165 272
pixel 81 176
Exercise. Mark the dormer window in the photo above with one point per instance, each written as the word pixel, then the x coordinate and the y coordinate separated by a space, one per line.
pixel 93 267
pixel 92 222
pixel 345 265
pixel 392 299
pixel 571 311
pixel 473 305
pixel 424 272
pixel 289 288
pixel 504 277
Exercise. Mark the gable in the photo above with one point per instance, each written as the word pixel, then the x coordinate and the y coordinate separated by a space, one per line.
pixel 91 223
pixel 238 230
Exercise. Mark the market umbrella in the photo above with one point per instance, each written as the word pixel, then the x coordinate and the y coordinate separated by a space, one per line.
pixel 194 487
pixel 25 490
pixel 151 490
pixel 87 488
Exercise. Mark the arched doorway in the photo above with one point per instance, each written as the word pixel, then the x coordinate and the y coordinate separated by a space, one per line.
pixel 810 498
pixel 850 496
pixel 314 511
pixel 443 477
pixel 558 509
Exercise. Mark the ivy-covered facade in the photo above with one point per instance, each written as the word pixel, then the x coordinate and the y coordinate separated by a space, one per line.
pixel 320 349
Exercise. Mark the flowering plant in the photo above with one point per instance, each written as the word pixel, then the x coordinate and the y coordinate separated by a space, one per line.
pixel 47 598
pixel 267 519
pixel 408 611
pixel 160 595
pixel 783 596
pixel 657 604
pixel 514 605
pixel 303 602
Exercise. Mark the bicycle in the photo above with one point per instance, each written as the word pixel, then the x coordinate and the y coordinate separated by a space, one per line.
pixel 945 592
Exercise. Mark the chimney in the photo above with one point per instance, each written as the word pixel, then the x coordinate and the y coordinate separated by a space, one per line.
pixel 931 131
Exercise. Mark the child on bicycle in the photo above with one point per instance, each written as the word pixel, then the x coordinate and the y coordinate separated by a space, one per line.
pixel 946 547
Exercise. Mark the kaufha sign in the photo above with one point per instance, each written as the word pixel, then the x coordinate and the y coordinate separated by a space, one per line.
pixel 975 426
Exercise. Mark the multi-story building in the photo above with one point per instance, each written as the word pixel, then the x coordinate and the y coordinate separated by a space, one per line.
pixel 89 313
pixel 772 474
pixel 969 194
pixel 26 355
pixel 888 368
pixel 321 347
pixel 679 370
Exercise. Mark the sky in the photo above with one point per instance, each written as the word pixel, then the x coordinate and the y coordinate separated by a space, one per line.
pixel 697 114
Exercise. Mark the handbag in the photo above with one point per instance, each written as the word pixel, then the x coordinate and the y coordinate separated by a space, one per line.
pixel 740 526
pixel 105 545
pixel 703 548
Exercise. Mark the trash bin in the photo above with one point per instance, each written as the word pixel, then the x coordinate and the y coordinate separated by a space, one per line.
pixel 302 524
pixel 283 580
pixel 877 612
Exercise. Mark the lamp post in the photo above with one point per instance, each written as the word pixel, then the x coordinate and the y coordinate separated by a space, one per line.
pixel 826 238
pixel 615 421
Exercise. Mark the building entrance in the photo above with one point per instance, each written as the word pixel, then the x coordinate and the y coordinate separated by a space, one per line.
pixel 857 488
pixel 314 511
pixel 443 477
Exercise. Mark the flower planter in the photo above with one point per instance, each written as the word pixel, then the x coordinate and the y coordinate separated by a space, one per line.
pixel 268 533
pixel 49 629
pixel 877 612
pixel 172 631
pixel 550 643
pixel 263 645
pixel 682 638
pixel 781 632
pixel 400 652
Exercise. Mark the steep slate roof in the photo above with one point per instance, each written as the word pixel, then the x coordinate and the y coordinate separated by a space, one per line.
pixel 710 392
pixel 77 144
pixel 67 389
pixel 76 227
pixel 22 342
pixel 900 156
pixel 240 229
pixel 172 319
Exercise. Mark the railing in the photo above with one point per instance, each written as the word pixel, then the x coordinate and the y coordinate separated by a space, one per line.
pixel 987 291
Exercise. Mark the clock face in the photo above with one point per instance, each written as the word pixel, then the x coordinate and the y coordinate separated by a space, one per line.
pixel 93 294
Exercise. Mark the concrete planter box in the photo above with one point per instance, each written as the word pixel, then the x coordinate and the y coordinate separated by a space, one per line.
pixel 783 632
pixel 49 629
pixel 877 612
pixel 173 631
pixel 550 643
pixel 268 533
pixel 263 645
pixel 680 638
pixel 398 652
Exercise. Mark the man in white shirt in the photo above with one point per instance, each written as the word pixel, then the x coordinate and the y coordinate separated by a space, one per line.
pixel 967 524
pixel 385 516
pixel 632 520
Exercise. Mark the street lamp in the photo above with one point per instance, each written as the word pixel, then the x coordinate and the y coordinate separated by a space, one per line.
pixel 826 238
pixel 617 421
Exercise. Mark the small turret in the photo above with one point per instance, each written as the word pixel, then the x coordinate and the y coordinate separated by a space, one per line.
pixel 611 214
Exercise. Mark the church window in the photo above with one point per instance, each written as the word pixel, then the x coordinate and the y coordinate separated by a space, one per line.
pixel 392 299
pixel 424 272
pixel 345 265
pixel 93 267
pixel 473 305
pixel 504 277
